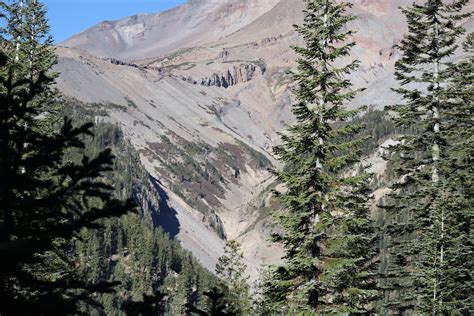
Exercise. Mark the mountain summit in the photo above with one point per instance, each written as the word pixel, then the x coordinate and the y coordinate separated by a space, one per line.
pixel 150 35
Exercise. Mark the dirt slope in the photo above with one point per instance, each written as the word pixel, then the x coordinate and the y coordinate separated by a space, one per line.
pixel 204 97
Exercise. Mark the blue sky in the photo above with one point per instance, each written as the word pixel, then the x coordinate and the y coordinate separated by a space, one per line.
pixel 68 17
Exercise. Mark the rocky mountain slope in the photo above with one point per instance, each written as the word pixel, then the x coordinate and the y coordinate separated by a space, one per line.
pixel 201 92
pixel 149 35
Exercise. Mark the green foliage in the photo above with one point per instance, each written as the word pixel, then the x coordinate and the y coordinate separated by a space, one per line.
pixel 378 127
pixel 66 248
pixel 255 157
pixel 231 269
pixel 62 246
pixel 198 178
pixel 45 200
pixel 270 298
pixel 430 210
pixel 200 174
pixel 217 305
pixel 329 237
pixel 130 250
pixel 150 306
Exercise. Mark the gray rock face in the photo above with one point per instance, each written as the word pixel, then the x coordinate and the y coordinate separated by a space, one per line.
pixel 242 45
pixel 231 77
pixel 123 63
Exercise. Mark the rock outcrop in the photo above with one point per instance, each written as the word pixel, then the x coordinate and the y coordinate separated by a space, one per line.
pixel 122 63
pixel 182 55
pixel 231 77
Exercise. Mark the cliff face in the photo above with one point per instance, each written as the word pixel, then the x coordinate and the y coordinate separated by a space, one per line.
pixel 201 92
pixel 231 77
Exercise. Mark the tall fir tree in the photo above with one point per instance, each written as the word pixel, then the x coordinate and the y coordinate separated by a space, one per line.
pixel 431 230
pixel 329 238
pixel 459 244
pixel 231 270
pixel 217 305
pixel 44 200
pixel 27 33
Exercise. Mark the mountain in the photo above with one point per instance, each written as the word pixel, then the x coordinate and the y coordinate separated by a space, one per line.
pixel 201 92
pixel 149 35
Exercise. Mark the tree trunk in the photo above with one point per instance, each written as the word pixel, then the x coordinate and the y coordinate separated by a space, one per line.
pixel 322 102
pixel 17 49
pixel 435 172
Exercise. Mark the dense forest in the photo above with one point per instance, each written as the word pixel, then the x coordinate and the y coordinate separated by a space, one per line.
pixel 77 222
pixel 78 228
pixel 132 249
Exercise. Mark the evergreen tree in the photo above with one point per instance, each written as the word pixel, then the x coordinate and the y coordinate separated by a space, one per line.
pixel 231 269
pixel 27 41
pixel 431 234
pixel 270 298
pixel 133 251
pixel 459 244
pixel 329 237
pixel 44 200
pixel 218 306
pixel 150 306
pixel 183 292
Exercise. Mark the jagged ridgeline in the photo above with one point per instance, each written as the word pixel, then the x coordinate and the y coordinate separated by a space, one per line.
pixel 130 249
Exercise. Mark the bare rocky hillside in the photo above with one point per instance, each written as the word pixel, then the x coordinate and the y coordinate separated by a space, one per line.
pixel 149 35
pixel 201 92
